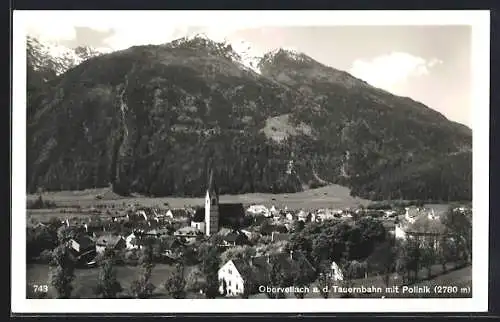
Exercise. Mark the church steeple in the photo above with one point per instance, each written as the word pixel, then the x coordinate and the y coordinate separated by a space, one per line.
pixel 212 189
pixel 211 206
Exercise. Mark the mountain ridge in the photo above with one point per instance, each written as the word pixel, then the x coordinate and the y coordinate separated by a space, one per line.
pixel 152 113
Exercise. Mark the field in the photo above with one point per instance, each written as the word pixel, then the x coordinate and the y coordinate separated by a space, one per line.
pixel 78 203
pixel 73 203
pixel 86 279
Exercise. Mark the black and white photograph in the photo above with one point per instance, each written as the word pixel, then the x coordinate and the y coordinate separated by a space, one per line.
pixel 326 158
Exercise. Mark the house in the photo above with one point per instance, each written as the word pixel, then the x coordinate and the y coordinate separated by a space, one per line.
pixel 156 233
pixel 324 214
pixel 431 215
pixel 198 221
pixel 272 212
pixel 247 233
pixel 132 241
pixel 231 215
pixel 412 213
pixel 82 248
pixel 258 210
pixel 119 217
pixel 141 213
pixel 390 213
pixel 335 272
pixel 303 216
pixel 111 242
pixel 232 277
pixel 233 274
pixel 290 216
pixel 188 233
pixel 234 238
pixel 93 228
pixel 169 214
pixel 400 231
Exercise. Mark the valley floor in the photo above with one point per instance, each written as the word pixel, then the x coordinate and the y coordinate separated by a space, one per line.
pixel 331 196
pixel 86 280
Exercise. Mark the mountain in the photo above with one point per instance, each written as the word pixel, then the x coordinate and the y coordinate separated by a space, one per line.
pixel 153 119
pixel 55 59
pixel 46 61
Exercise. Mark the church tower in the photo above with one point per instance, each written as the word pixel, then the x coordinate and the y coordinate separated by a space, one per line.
pixel 211 207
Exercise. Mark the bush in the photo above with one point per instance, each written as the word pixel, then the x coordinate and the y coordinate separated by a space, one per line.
pixel 45 256
pixel 131 257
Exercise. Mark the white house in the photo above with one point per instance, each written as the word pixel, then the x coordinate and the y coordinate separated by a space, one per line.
pixel 336 273
pixel 131 242
pixel 272 212
pixel 142 213
pixel 233 273
pixel 230 279
pixel 431 215
pixel 198 225
pixel 302 216
pixel 399 232
pixel 258 210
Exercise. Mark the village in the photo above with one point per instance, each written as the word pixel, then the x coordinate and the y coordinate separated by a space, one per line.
pixel 249 243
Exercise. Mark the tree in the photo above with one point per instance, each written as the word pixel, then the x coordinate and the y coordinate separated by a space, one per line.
pixel 62 272
pixel 142 287
pixel 194 280
pixel 298 226
pixel 65 233
pixel 175 285
pixel 459 225
pixel 108 286
pixel 239 252
pixel 301 275
pixel 210 268
pixel 428 258
pixel 324 280
pixel 382 260
pixel 266 228
pixel 277 279
pixel 442 254
pixel 409 259
pixel 249 282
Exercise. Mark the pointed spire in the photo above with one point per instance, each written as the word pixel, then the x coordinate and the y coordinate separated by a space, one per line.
pixel 212 186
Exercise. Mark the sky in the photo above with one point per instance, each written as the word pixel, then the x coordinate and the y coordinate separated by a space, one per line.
pixel 430 64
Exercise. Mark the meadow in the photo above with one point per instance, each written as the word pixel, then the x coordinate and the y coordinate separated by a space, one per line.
pixel 331 196
pixel 86 280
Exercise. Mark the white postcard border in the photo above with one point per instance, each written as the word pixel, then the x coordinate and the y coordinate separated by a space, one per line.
pixel 480 22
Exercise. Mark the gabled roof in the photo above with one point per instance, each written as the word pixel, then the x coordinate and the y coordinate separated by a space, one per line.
pixel 234 236
pixel 259 267
pixel 199 215
pixel 108 240
pixel 84 241
pixel 230 214
pixel 187 231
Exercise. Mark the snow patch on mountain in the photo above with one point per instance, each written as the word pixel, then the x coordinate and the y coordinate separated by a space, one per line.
pixel 247 55
pixel 43 55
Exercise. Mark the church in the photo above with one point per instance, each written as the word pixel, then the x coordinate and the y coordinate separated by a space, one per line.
pixel 228 215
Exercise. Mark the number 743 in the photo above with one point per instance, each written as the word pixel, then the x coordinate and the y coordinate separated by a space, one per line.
pixel 43 288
